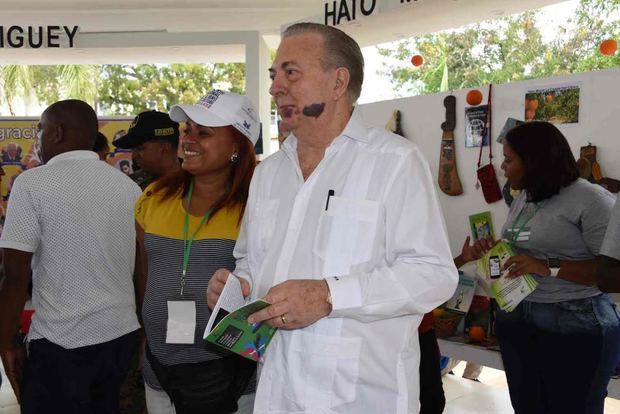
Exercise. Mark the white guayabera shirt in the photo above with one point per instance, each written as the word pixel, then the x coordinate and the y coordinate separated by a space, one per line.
pixel 381 244
pixel 75 214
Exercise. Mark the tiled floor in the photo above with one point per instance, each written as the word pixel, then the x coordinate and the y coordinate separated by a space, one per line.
pixel 8 404
pixel 463 396
pixel 489 396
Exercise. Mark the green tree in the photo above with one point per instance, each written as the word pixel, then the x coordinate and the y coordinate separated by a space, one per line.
pixel 48 84
pixel 504 50
pixel 576 49
pixel 16 81
pixel 118 89
pixel 130 89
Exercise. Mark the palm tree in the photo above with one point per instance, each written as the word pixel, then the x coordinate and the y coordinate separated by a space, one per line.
pixel 48 83
pixel 16 81
pixel 80 81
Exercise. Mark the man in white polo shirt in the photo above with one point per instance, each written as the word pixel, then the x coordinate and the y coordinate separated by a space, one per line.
pixel 70 223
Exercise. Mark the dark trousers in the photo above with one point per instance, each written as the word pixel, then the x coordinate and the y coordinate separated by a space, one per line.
pixel 76 381
pixel 432 399
pixel 559 357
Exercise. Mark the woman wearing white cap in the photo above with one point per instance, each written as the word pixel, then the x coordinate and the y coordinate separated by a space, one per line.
pixel 187 225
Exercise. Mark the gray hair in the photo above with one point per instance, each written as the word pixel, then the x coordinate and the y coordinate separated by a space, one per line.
pixel 340 51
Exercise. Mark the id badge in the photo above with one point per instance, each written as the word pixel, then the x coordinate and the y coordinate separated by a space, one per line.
pixel 520 234
pixel 524 235
pixel 181 325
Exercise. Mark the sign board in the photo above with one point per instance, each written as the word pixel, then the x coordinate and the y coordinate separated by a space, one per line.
pixel 35 37
pixel 18 149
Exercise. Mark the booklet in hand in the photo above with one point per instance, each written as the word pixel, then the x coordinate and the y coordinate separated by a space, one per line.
pixel 460 301
pixel 228 326
pixel 508 292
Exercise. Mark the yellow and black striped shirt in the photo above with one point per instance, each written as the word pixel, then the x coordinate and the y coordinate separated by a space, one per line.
pixel 162 221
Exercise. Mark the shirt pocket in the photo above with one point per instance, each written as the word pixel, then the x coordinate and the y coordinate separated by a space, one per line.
pixel 322 371
pixel 346 233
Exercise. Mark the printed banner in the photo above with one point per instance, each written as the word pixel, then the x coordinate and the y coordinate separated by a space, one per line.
pixel 18 149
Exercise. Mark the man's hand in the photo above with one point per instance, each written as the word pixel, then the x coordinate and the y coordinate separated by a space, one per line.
pixel 295 304
pixel 13 361
pixel 519 265
pixel 473 252
pixel 216 285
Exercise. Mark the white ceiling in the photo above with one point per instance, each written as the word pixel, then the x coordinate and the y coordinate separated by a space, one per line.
pixel 108 19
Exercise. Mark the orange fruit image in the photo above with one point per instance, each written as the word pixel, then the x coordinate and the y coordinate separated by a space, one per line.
pixel 476 334
pixel 530 114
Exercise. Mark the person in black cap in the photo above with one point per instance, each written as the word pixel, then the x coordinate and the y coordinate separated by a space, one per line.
pixel 153 138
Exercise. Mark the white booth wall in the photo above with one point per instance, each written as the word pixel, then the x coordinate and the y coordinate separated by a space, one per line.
pixel 422 116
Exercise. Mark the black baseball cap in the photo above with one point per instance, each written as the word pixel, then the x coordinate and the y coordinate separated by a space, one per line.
pixel 149 126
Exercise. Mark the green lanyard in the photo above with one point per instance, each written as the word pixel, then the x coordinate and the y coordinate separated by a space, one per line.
pixel 515 234
pixel 187 243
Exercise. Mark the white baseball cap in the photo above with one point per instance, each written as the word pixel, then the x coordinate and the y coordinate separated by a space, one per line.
pixel 220 108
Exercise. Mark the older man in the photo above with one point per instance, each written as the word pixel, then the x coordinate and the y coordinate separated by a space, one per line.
pixel 70 224
pixel 344 235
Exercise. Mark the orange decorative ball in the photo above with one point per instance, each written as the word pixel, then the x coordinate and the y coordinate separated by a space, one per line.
pixel 608 47
pixel 474 97
pixel 476 334
pixel 417 60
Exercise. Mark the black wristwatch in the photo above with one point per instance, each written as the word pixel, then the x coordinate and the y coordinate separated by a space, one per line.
pixel 554 266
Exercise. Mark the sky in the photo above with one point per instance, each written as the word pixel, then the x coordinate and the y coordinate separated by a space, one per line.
pixel 378 87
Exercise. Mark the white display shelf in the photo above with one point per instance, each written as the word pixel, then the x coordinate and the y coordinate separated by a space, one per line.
pixel 490 358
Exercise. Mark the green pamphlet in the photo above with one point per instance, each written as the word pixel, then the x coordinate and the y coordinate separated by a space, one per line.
pixel 508 292
pixel 481 225
pixel 229 328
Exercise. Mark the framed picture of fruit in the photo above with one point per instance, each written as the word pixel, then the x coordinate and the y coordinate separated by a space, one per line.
pixel 555 104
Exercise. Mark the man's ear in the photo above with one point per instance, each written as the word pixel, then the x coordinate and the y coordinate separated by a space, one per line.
pixel 59 134
pixel 342 82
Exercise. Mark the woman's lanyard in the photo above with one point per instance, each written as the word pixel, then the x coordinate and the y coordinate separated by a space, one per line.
pixel 187 243
pixel 516 232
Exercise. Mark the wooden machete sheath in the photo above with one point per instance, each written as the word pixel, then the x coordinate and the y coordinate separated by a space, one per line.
pixel 449 181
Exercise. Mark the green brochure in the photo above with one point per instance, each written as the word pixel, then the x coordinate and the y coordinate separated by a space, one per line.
pixel 508 292
pixel 481 225
pixel 229 328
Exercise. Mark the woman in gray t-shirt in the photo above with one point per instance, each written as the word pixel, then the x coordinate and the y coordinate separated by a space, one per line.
pixel 560 345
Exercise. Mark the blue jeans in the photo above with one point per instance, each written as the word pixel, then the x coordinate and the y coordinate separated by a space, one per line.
pixel 559 357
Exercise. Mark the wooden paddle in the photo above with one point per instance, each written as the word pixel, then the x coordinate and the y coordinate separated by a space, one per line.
pixel 449 181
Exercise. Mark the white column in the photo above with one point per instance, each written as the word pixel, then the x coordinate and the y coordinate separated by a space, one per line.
pixel 257 62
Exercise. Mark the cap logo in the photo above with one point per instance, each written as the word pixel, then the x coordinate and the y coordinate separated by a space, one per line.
pixel 246 125
pixel 161 132
pixel 134 122
pixel 210 98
